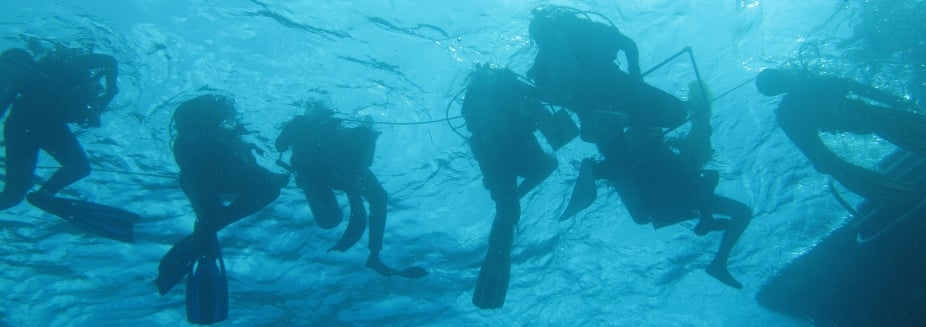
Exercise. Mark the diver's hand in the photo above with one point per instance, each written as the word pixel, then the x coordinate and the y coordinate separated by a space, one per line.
pixel 93 116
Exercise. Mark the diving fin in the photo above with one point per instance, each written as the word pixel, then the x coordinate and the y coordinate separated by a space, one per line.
pixel 412 272
pixel 175 264
pixel 355 228
pixel 207 286
pixel 492 283
pixel 96 218
pixel 585 191
pixel 383 269
pixel 902 128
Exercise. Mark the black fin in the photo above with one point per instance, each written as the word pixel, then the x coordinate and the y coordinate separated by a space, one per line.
pixel 96 218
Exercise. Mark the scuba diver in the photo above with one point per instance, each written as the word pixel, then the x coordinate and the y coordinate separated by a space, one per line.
pixel 575 68
pixel 502 113
pixel 216 166
pixel 43 97
pixel 662 182
pixel 817 103
pixel 329 156
pixel 624 117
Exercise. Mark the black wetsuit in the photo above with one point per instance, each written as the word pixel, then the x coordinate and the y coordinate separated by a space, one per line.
pixel 327 157
pixel 51 94
pixel 502 115
pixel 218 164
pixel 658 185
pixel 575 68
pixel 815 104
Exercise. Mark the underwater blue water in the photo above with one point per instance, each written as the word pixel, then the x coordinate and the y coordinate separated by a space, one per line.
pixel 403 61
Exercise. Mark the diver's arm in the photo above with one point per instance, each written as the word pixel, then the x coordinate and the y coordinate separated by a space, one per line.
pixel 609 36
pixel 107 64
pixel 285 140
pixel 875 94
pixel 469 111
pixel 632 54
pixel 536 114
pixel 531 107
pixel 804 136
pixel 6 99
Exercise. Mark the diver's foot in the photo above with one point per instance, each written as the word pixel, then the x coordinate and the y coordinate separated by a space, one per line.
pixel 720 272
pixel 708 225
pixel 379 266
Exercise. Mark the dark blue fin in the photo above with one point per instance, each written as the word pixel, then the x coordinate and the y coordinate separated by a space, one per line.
pixel 906 129
pixel 175 264
pixel 355 228
pixel 383 269
pixel 96 218
pixel 412 272
pixel 585 192
pixel 207 287
pixel 492 283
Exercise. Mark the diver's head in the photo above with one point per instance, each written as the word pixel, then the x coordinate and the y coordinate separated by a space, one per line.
pixel 486 78
pixel 772 82
pixel 318 109
pixel 205 114
pixel 543 27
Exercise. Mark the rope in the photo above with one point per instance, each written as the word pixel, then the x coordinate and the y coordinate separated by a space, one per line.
pixel 401 123
pixel 697 72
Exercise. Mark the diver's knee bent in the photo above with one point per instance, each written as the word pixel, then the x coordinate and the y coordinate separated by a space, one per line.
pixel 8 201
pixel 79 170
pixel 740 214
pixel 327 217
pixel 14 193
